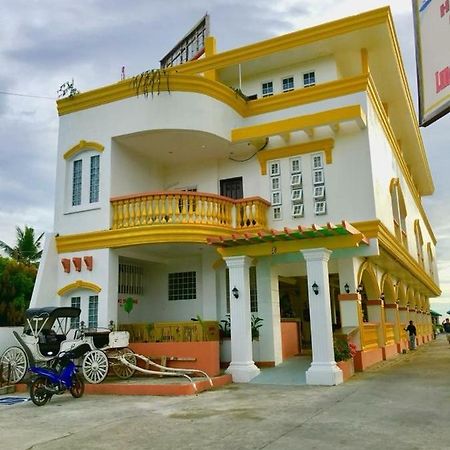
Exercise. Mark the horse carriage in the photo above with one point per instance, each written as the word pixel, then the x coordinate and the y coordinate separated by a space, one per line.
pixel 51 330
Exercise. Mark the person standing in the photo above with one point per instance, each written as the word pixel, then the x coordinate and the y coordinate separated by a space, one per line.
pixel 446 326
pixel 411 329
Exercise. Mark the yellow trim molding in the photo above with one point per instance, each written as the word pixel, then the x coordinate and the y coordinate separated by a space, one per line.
pixel 81 146
pixel 329 117
pixel 325 145
pixel 79 284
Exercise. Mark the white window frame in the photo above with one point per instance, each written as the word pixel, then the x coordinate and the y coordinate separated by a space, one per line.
pixel 322 177
pixel 276 198
pixel 274 168
pixel 296 180
pixel 319 192
pixel 276 213
pixel 317 158
pixel 320 208
pixel 267 94
pixel 297 210
pixel 275 183
pixel 287 78
pixel 309 72
pixel 297 195
pixel 293 162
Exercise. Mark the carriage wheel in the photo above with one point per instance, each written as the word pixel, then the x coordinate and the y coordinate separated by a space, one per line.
pixel 121 370
pixel 14 361
pixel 95 366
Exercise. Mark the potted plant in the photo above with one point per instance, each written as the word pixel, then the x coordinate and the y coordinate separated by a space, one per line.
pixel 344 352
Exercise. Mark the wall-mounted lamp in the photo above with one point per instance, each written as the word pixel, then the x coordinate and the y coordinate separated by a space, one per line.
pixel 315 288
pixel 360 288
pixel 235 292
pixel 347 288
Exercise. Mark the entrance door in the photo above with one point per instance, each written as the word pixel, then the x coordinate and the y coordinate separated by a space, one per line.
pixel 232 188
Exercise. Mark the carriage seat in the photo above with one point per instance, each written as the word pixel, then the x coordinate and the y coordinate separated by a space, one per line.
pixel 50 342
pixel 100 337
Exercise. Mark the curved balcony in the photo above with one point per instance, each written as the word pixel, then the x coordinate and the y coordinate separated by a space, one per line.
pixel 190 208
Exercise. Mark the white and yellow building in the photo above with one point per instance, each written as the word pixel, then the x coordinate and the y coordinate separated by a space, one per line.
pixel 290 171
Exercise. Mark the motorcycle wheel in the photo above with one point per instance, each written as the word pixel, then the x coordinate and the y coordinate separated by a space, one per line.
pixel 39 395
pixel 77 389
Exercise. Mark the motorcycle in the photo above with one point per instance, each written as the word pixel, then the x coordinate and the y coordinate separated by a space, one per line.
pixel 60 375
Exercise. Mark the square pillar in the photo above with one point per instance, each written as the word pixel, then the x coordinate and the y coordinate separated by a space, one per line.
pixel 323 370
pixel 375 310
pixel 242 368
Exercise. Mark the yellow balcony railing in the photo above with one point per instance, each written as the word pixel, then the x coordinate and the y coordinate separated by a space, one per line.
pixel 180 207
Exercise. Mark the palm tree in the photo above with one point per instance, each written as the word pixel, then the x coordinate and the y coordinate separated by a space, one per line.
pixel 27 250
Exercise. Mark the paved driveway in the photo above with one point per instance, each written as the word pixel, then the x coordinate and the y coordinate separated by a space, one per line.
pixel 399 404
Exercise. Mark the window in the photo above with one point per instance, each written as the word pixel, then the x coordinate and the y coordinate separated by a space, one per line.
pixel 182 286
pixel 419 242
pixel 76 182
pixel 93 311
pixel 320 208
pixel 131 279
pixel 95 179
pixel 297 195
pixel 319 192
pixel 276 213
pixel 296 180
pixel 309 79
pixel 317 161
pixel 274 168
pixel 318 177
pixel 288 84
pixel 267 89
pixel 75 302
pixel 430 260
pixel 275 183
pixel 276 198
pixel 398 211
pixel 297 210
pixel 296 165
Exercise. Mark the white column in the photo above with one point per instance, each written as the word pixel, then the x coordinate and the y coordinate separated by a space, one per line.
pixel 269 310
pixel 323 370
pixel 209 288
pixel 242 368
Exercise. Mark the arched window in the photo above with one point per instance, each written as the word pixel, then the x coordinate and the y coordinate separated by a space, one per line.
pixel 430 260
pixel 419 242
pixel 398 211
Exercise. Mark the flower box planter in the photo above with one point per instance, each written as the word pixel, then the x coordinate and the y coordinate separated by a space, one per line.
pixel 347 367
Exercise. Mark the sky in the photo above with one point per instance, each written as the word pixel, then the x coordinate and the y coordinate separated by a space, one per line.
pixel 44 43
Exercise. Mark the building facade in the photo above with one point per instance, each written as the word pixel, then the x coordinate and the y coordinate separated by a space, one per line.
pixel 280 180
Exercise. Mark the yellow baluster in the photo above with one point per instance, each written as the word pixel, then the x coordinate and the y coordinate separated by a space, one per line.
pixel 132 212
pixel 150 210
pixel 126 214
pixel 156 216
pixel 144 211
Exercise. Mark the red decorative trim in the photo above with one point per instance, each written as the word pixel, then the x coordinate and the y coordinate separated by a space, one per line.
pixel 77 264
pixel 374 302
pixel 391 306
pixel 88 260
pixel 66 264
pixel 402 308
pixel 344 297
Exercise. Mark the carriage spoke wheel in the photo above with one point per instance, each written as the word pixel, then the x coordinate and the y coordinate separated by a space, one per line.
pixel 13 363
pixel 95 366
pixel 122 370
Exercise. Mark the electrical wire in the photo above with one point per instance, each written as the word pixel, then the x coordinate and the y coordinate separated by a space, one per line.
pixel 27 95
pixel 250 157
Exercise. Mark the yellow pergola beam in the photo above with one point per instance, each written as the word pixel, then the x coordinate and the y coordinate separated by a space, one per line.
pixel 306 123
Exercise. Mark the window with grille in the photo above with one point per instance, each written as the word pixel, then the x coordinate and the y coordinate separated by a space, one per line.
pixel 320 208
pixel 276 213
pixel 309 79
pixel 288 84
pixel 267 89
pixel 131 279
pixel 77 182
pixel 276 198
pixel 318 177
pixel 297 210
pixel 93 311
pixel 296 180
pixel 296 166
pixel 182 286
pixel 94 179
pixel 275 183
pixel 319 192
pixel 274 167
pixel 317 161
pixel 75 302
pixel 297 195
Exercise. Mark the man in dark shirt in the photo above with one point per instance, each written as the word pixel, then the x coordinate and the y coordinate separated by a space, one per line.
pixel 446 326
pixel 411 329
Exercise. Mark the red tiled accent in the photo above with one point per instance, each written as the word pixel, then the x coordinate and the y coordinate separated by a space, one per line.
pixel 66 264
pixel 88 260
pixel 77 264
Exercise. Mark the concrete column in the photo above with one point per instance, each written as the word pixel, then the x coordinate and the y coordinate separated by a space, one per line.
pixel 269 310
pixel 107 298
pixel 351 315
pixel 242 368
pixel 392 316
pixel 323 368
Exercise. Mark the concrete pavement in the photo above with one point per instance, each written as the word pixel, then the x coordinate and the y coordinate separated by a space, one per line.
pixel 399 404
